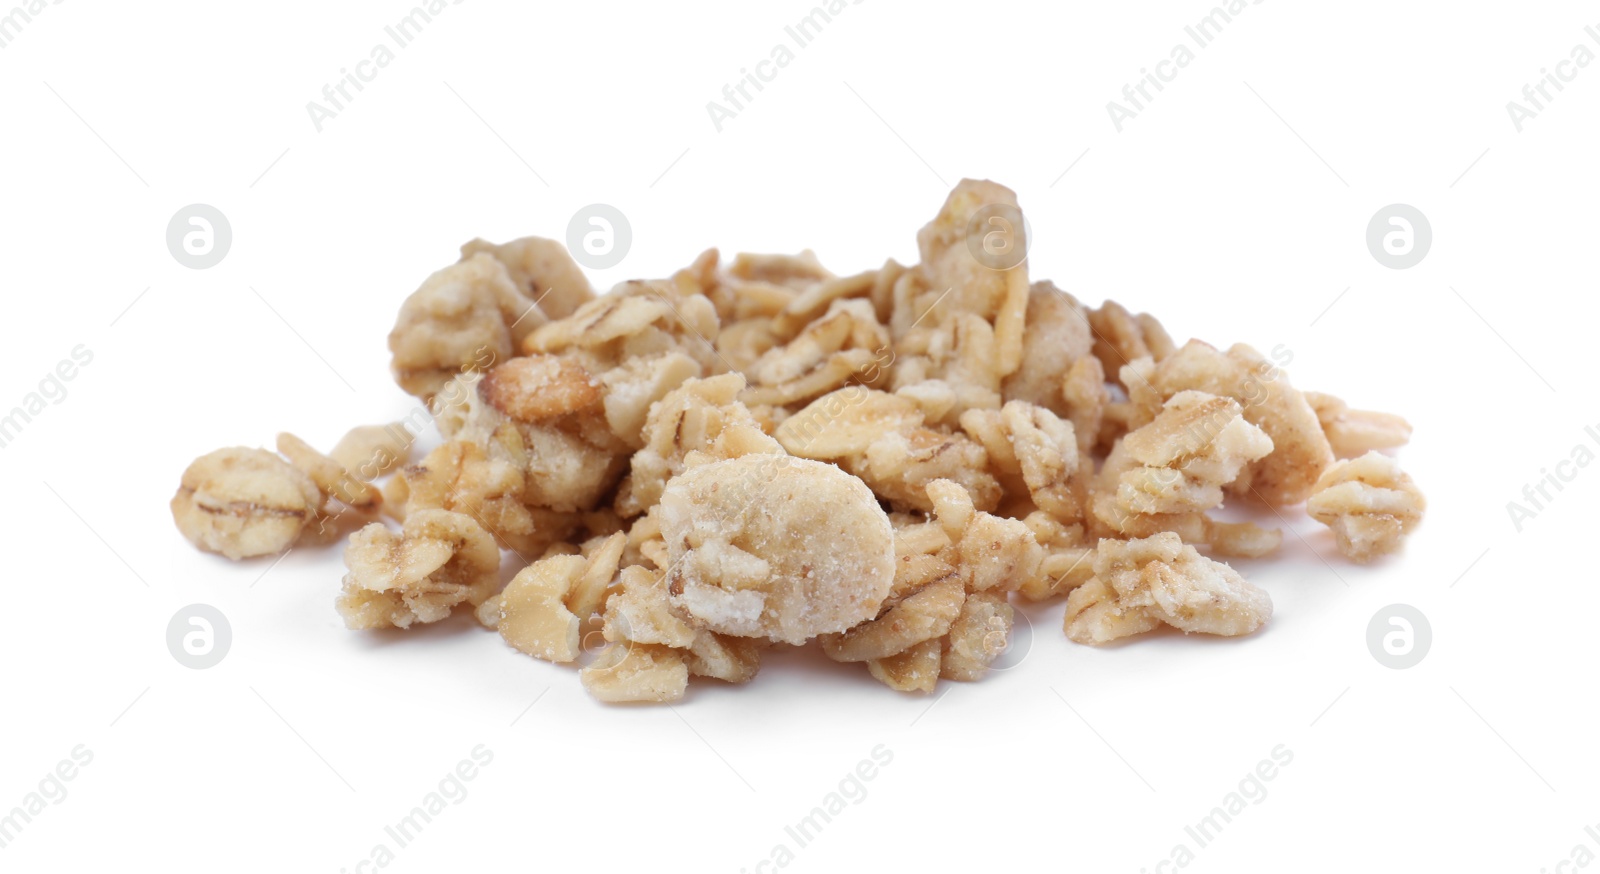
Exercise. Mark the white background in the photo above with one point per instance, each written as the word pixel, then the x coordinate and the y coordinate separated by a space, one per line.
pixel 1208 209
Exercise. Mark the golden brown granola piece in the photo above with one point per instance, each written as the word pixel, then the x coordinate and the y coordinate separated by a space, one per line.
pixel 1165 475
pixel 567 452
pixel 1096 615
pixel 633 388
pixel 958 353
pixel 640 612
pixel 989 552
pixel 243 503
pixel 946 244
pixel 1369 502
pixel 1140 584
pixel 882 439
pixel 438 560
pixel 453 323
pixel 959 316
pixel 952 574
pixel 703 415
pixel 846 343
pixel 488 484
pixel 637 319
pixel 1033 453
pixel 532 615
pixel 1180 461
pixel 1300 450
pixel 541 611
pixel 630 673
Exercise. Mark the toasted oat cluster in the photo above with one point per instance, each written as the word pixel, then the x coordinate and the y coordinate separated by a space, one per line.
pixel 684 473
pixel 1369 502
pixel 1159 580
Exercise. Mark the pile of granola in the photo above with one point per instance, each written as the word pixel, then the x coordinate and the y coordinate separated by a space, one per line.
pixel 689 470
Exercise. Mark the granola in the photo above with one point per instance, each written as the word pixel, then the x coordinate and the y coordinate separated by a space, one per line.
pixel 756 451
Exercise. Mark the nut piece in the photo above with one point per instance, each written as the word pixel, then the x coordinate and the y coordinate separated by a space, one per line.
pixel 1357 432
pixel 243 503
pixel 454 322
pixel 542 609
pixel 777 547
pixel 627 673
pixel 1139 584
pixel 533 613
pixel 438 560
pixel 540 387
pixel 1370 503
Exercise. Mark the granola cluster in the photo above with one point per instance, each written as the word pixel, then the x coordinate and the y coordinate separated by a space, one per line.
pixel 685 472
